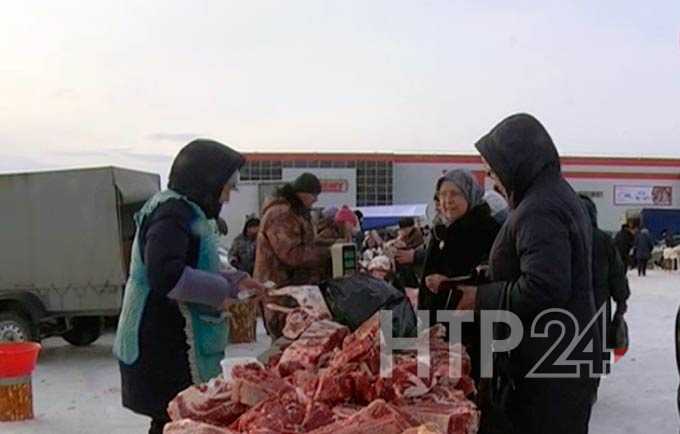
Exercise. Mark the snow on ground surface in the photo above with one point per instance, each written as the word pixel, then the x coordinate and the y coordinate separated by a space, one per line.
pixel 77 390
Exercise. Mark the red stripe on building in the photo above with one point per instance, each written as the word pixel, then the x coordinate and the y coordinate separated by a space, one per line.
pixel 456 159
pixel 622 175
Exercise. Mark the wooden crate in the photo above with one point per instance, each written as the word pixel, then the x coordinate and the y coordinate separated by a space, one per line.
pixel 243 322
pixel 16 399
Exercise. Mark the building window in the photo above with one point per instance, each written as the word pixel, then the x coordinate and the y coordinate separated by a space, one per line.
pixel 373 178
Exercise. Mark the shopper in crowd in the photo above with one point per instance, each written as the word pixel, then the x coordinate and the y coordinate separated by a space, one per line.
pixel 668 238
pixel 327 230
pixel 643 246
pixel 539 262
pixel 460 244
pixel 409 239
pixel 286 250
pixel 359 236
pixel 416 257
pixel 609 273
pixel 624 241
pixel 347 223
pixel 242 251
pixel 171 333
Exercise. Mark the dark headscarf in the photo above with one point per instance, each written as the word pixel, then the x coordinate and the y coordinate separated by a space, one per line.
pixel 200 171
pixel 519 149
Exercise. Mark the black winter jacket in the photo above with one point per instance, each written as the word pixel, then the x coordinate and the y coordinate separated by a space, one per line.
pixel 541 261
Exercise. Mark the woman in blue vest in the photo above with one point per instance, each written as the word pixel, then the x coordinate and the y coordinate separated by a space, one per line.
pixel 172 331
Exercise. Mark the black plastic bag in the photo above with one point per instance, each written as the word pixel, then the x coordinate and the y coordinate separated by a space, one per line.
pixel 617 338
pixel 353 300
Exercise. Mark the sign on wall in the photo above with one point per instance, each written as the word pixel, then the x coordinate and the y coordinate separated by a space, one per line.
pixel 643 195
pixel 338 186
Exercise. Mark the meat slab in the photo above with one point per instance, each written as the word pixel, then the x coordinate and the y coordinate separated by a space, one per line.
pixel 328 381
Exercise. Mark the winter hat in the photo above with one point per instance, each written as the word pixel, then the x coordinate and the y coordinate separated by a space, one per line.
pixel 346 215
pixel 381 262
pixel 329 212
pixel 307 183
pixel 466 183
pixel 406 222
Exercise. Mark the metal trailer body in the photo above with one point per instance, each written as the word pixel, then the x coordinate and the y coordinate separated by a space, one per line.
pixel 65 239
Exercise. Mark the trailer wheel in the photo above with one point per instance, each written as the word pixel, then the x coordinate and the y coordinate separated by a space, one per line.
pixel 14 327
pixel 86 330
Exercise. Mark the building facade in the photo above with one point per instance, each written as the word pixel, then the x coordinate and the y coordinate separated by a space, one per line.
pixel 616 185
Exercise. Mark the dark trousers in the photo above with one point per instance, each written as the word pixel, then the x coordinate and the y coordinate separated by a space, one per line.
pixel 157 425
pixel 642 267
pixel 552 406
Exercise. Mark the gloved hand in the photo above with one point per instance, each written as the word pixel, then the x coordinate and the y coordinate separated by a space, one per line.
pixel 203 287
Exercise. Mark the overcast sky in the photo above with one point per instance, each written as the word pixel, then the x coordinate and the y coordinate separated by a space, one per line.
pixel 85 83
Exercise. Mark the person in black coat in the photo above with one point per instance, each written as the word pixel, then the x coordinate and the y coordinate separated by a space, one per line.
pixel 624 243
pixel 203 173
pixel 609 273
pixel 541 260
pixel 643 246
pixel 458 246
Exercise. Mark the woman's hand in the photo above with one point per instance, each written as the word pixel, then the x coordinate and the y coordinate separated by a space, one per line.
pixel 434 281
pixel 405 257
pixel 249 284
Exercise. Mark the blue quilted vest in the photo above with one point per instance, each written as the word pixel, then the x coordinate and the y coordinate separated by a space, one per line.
pixel 207 329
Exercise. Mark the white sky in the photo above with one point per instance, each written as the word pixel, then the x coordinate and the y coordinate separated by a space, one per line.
pixel 85 83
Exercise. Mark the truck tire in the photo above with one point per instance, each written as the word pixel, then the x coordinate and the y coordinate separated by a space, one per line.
pixel 15 327
pixel 86 330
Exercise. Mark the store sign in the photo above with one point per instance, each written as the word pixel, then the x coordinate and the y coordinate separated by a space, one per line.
pixel 334 186
pixel 338 185
pixel 643 195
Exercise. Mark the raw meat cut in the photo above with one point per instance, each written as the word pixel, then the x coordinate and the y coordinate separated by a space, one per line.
pixel 189 426
pixel 378 417
pixel 329 382
pixel 305 381
pixel 253 384
pixel 211 403
pixel 297 322
pixel 308 297
pixel 320 338
pixel 460 417
pixel 428 428
pixel 280 413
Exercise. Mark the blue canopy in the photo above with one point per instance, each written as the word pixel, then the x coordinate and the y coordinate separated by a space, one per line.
pixel 378 217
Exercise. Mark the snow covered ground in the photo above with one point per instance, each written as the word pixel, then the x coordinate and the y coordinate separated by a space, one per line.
pixel 77 390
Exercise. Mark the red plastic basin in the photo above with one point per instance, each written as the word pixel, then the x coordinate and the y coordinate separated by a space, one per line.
pixel 17 359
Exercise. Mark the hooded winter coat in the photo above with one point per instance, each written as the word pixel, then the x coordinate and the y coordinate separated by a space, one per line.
pixel 168 246
pixel 541 260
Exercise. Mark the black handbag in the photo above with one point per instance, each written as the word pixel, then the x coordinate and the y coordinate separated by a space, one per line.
pixel 617 336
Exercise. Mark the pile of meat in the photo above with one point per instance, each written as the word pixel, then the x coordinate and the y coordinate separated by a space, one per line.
pixel 329 381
